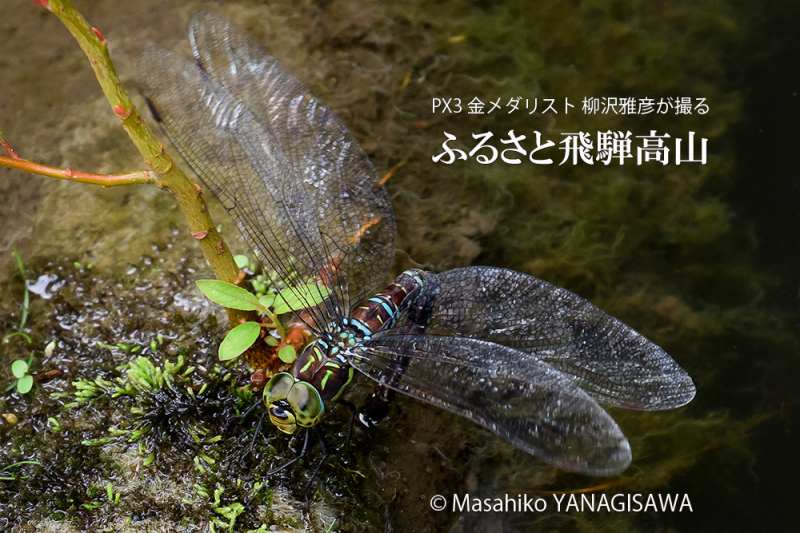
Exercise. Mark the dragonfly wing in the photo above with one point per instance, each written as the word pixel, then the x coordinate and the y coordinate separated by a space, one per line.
pixel 236 157
pixel 352 210
pixel 611 361
pixel 534 406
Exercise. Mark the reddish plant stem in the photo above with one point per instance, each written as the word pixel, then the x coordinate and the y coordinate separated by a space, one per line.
pixel 104 180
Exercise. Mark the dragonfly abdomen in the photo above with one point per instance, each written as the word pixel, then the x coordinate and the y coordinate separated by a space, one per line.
pixel 382 310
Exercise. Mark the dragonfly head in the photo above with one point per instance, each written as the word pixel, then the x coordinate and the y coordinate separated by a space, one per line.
pixel 291 403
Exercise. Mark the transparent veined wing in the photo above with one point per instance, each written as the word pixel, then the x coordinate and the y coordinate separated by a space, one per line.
pixel 351 208
pixel 295 182
pixel 527 402
pixel 611 361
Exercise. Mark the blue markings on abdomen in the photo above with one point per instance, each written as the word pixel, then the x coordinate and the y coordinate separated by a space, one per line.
pixel 360 326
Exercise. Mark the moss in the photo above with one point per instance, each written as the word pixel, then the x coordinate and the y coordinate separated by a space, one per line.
pixel 132 436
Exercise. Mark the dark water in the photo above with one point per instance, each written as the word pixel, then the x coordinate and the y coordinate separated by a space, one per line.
pixel 766 194
pixel 702 259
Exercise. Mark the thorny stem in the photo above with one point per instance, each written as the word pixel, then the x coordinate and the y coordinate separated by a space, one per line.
pixel 167 174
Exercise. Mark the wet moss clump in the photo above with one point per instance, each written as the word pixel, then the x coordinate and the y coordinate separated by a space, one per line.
pixel 141 427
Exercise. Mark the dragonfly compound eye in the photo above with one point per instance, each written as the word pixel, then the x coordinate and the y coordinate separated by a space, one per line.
pixel 277 410
pixel 306 404
pixel 281 416
pixel 278 387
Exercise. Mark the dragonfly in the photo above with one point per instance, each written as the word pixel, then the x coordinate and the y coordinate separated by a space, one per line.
pixel 529 361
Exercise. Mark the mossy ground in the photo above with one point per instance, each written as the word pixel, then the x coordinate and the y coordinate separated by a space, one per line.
pixel 144 429
pixel 666 249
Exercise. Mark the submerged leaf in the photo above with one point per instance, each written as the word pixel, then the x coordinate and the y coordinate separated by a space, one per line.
pixel 228 295
pixel 238 340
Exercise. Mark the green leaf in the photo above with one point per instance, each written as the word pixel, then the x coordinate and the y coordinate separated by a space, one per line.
pixel 271 341
pixel 300 297
pixel 228 295
pixel 25 384
pixel 287 354
pixel 19 368
pixel 242 261
pixel 267 300
pixel 238 340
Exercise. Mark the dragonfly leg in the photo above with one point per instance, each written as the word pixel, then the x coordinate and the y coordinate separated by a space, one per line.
pixel 255 434
pixel 315 473
pixel 257 431
pixel 249 410
pixel 294 459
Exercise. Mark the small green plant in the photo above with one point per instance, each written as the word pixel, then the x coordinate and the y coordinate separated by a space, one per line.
pixel 26 300
pixel 226 514
pixel 268 302
pixel 111 495
pixel 96 491
pixel 229 512
pixel 19 369
pixel 9 472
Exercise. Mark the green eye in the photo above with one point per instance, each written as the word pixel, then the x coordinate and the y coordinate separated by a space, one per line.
pixel 278 387
pixel 306 404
